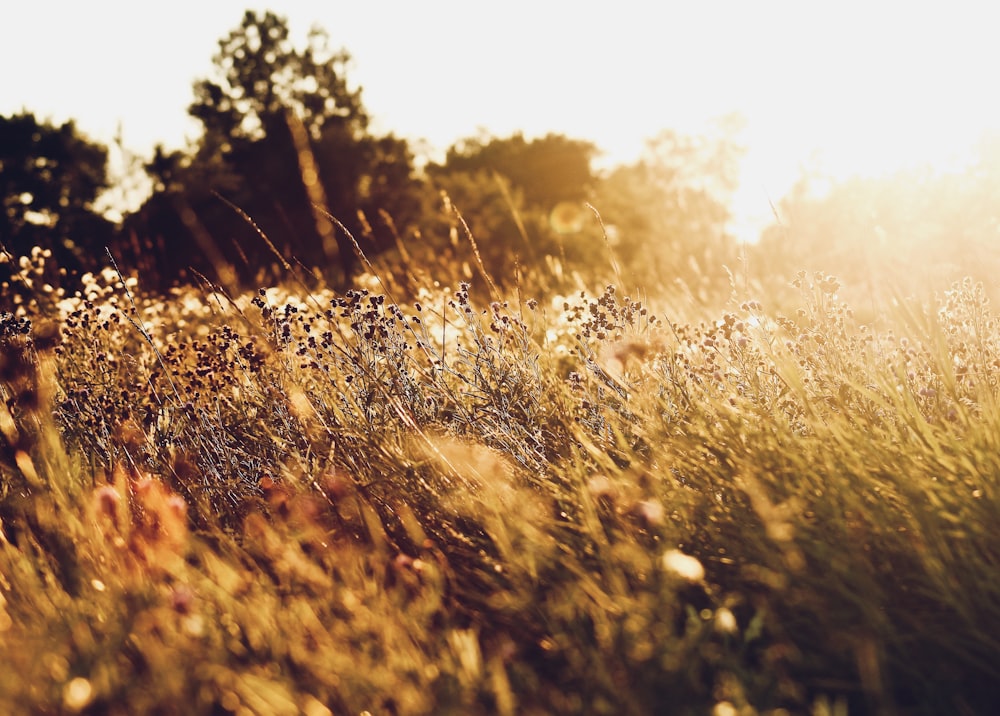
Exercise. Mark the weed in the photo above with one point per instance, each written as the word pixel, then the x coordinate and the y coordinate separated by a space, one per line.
pixel 296 501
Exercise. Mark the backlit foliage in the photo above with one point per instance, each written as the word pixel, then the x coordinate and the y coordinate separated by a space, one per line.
pixel 309 502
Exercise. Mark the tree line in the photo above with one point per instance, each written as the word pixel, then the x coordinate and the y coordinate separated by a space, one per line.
pixel 287 169
pixel 287 172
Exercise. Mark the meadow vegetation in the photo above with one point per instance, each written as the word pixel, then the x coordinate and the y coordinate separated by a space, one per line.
pixel 430 497
pixel 318 443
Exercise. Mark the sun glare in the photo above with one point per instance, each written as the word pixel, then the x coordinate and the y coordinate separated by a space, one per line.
pixel 927 110
pixel 835 89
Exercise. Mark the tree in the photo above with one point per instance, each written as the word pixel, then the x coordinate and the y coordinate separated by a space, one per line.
pixel 507 190
pixel 908 231
pixel 260 76
pixel 667 213
pixel 286 142
pixel 50 177
pixel 547 170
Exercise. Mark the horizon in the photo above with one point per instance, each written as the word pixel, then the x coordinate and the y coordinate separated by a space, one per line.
pixel 850 89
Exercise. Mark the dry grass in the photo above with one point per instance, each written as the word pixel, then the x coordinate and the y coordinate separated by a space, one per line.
pixel 288 503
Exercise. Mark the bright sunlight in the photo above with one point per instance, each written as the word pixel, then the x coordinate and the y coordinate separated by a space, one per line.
pixel 843 88
pixel 511 358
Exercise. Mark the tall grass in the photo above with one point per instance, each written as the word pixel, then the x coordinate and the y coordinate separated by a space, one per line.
pixel 302 502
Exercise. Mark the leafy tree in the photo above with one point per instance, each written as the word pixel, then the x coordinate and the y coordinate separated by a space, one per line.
pixel 667 214
pixel 907 231
pixel 286 141
pixel 547 170
pixel 507 190
pixel 260 76
pixel 50 177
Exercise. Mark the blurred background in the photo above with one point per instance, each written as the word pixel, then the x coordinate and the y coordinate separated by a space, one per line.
pixel 691 149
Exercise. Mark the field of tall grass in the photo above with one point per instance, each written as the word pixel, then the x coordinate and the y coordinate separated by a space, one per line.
pixel 450 501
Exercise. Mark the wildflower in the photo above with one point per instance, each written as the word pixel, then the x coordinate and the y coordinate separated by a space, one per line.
pixel 650 512
pixel 683 565
pixel 724 708
pixel 77 694
pixel 182 599
pixel 106 503
pixel 725 621
pixel 601 487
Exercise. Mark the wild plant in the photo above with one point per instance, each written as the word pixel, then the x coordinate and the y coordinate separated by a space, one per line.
pixel 296 501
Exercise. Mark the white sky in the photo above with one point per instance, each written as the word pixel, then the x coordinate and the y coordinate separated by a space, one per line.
pixel 868 85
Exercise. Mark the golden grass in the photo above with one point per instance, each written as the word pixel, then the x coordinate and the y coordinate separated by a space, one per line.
pixel 287 503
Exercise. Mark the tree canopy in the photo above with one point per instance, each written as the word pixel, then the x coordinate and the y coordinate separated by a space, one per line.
pixel 260 76
pixel 506 190
pixel 905 232
pixel 287 170
pixel 667 213
pixel 50 177
pixel 286 146
pixel 547 170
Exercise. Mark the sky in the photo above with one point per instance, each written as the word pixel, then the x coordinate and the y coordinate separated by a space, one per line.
pixel 845 87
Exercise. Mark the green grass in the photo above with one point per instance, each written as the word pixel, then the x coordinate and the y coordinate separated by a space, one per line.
pixel 296 502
